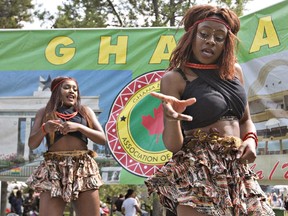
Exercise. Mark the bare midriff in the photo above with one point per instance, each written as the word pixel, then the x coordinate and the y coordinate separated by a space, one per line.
pixel 224 127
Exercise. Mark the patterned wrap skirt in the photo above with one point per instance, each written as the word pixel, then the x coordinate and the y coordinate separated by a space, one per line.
pixel 206 175
pixel 67 173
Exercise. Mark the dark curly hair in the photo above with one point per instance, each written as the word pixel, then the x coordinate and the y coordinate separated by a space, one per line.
pixel 183 52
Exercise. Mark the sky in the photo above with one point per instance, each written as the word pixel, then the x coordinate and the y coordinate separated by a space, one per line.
pixel 256 5
pixel 51 6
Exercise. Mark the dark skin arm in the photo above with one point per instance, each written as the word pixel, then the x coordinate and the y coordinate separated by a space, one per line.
pixel 172 85
pixel 247 151
pixel 37 135
pixel 96 133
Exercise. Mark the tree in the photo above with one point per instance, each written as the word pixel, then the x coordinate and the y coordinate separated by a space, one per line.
pixel 109 193
pixel 82 13
pixel 14 12
pixel 126 13
pixel 237 6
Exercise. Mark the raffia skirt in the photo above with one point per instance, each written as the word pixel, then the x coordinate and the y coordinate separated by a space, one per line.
pixel 206 175
pixel 66 173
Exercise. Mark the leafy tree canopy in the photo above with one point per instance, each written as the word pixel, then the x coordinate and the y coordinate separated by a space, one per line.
pixel 126 13
pixel 14 12
pixel 105 13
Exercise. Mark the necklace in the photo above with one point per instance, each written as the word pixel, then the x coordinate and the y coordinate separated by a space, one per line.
pixel 201 66
pixel 66 116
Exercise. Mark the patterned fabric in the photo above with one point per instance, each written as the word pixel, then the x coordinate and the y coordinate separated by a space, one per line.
pixel 206 175
pixel 66 174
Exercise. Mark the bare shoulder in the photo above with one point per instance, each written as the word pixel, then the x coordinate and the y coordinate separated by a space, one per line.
pixel 172 78
pixel 238 67
pixel 88 109
pixel 41 112
pixel 239 72
pixel 172 83
pixel 171 75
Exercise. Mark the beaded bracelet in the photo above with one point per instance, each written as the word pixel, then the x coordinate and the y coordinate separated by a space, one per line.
pixel 43 129
pixel 252 135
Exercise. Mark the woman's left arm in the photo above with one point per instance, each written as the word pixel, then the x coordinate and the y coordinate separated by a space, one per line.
pixel 247 152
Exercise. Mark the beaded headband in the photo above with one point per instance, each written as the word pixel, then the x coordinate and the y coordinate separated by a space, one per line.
pixel 211 19
pixel 63 80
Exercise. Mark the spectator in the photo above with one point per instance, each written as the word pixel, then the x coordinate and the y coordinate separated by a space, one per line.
pixel 11 200
pixel 280 202
pixel 118 204
pixel 274 199
pixel 130 205
pixel 30 203
pixel 269 199
pixel 18 203
pixel 286 203
pixel 104 210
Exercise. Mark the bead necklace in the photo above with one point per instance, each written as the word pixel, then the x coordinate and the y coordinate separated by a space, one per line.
pixel 201 66
pixel 66 116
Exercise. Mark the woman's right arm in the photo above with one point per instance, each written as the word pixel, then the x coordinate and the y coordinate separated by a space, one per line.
pixel 38 130
pixel 37 134
pixel 172 85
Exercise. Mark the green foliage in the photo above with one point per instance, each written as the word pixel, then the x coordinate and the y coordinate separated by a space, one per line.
pixel 14 12
pixel 105 13
pixel 237 5
pixel 127 13
pixel 82 13
pixel 111 192
pixel 11 158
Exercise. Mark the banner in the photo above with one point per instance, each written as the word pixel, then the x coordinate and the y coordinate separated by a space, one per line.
pixel 263 57
pixel 116 70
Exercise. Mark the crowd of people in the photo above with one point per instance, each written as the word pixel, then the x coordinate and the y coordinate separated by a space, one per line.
pixel 278 200
pixel 27 204
pixel 124 205
pixel 23 204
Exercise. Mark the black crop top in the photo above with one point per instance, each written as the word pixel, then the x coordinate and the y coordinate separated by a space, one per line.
pixel 211 104
pixel 78 119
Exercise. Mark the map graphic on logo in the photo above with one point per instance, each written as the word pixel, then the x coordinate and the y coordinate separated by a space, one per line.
pixel 135 125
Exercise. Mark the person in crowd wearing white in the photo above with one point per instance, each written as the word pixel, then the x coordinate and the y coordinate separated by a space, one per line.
pixel 130 206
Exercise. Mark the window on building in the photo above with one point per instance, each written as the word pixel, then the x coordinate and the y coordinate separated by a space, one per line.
pixel 21 136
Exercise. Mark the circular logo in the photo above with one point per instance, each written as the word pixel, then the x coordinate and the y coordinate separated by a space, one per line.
pixel 135 125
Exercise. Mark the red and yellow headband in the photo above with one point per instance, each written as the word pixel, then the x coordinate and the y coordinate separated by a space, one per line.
pixel 61 81
pixel 211 19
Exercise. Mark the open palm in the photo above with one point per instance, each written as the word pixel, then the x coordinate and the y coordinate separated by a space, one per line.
pixel 173 107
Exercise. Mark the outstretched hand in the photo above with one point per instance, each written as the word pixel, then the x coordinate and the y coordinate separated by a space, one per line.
pixel 173 107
